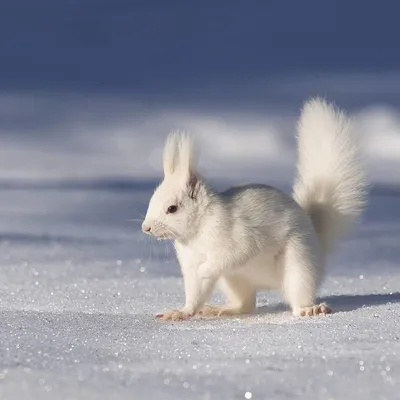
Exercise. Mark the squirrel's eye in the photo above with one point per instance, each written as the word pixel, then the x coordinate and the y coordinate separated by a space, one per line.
pixel 171 209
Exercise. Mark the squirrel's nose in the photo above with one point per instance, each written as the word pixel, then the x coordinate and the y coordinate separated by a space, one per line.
pixel 146 228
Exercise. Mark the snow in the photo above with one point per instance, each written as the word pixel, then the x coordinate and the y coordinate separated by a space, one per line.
pixel 80 284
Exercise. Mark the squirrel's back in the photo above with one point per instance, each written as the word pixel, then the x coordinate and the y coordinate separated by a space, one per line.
pixel 265 211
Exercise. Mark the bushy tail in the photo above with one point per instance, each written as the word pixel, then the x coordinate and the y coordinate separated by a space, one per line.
pixel 330 183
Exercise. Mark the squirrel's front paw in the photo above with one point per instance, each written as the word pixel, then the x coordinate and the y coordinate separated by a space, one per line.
pixel 175 315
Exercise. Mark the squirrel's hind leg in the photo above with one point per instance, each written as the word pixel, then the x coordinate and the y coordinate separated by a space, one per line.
pixel 303 272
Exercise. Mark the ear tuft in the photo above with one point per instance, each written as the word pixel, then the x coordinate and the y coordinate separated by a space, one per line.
pixel 179 154
pixel 192 185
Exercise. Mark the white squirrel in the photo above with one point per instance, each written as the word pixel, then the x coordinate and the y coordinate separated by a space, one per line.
pixel 256 237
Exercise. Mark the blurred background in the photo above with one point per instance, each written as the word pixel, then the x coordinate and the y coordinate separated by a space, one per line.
pixel 89 89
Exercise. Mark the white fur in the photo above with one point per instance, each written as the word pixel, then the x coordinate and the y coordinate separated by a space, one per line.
pixel 330 183
pixel 179 153
pixel 256 237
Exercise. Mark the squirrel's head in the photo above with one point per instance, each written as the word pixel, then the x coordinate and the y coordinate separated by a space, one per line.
pixel 175 209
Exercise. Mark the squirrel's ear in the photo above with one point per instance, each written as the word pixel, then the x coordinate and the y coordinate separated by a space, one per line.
pixel 171 154
pixel 179 154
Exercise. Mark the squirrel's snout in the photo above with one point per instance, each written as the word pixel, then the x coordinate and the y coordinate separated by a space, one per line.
pixel 146 228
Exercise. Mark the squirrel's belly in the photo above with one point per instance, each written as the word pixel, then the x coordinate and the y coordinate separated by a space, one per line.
pixel 263 272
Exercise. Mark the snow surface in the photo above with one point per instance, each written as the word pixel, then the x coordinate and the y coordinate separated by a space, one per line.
pixel 80 284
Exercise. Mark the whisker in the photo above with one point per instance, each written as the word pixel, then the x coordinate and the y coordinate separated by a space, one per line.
pixel 150 248
pixel 165 251
pixel 139 213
